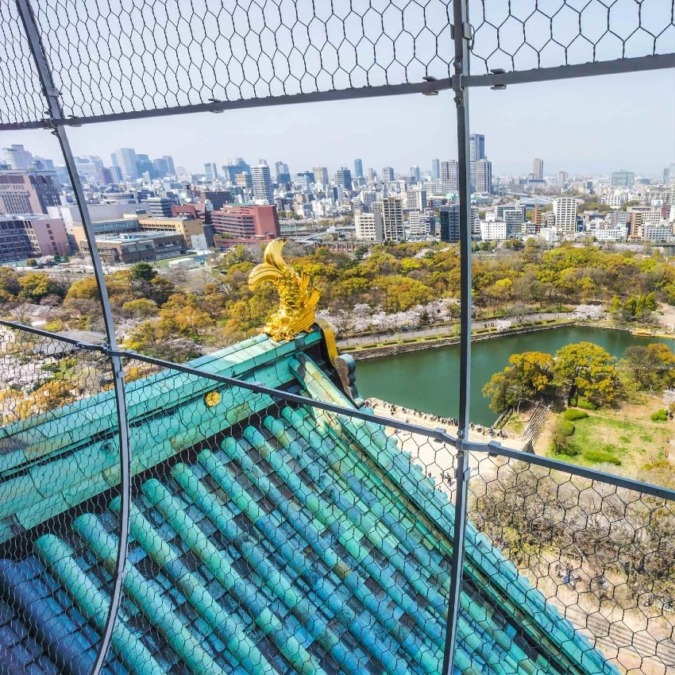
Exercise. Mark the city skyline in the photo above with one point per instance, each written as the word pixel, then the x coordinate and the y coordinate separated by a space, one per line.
pixel 637 137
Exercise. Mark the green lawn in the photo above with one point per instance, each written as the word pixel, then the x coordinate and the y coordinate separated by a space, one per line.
pixel 636 443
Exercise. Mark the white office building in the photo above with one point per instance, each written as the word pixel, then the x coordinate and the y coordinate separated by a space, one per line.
pixel 493 230
pixel 390 210
pixel 565 212
pixel 368 226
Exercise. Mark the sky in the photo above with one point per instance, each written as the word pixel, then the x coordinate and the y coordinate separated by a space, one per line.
pixel 583 126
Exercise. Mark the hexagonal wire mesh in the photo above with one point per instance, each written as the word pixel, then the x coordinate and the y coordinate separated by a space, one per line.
pixel 602 555
pixel 123 56
pixel 526 34
pixel 268 536
pixel 59 455
pixel 21 98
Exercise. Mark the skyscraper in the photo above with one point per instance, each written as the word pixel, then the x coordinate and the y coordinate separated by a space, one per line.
pixel 476 147
pixel 143 166
pixel 170 167
pixel 358 168
pixel 387 174
pixel 565 212
pixel 262 183
pixel 435 169
pixel 321 175
pixel 450 176
pixel 17 157
pixel 623 178
pixel 390 211
pixel 125 159
pixel 451 222
pixel 476 153
pixel 344 178
pixel 538 169
pixel 483 175
pixel 211 171
pixel 415 174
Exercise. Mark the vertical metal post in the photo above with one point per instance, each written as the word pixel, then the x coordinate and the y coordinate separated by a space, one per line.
pixel 461 36
pixel 56 115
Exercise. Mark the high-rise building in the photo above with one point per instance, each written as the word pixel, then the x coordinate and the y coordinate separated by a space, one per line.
pixel 244 180
pixel 235 167
pixel 262 183
pixel 31 235
pixel 451 222
pixel 483 176
pixel 415 174
pixel 344 178
pixel 477 147
pixel 321 175
pixel 280 168
pixel 565 213
pixel 387 174
pixel 160 167
pixel 391 211
pixel 171 167
pixel 562 179
pixel 369 226
pixel 372 174
pixel 125 159
pixel 211 171
pixel 538 169
pixel 417 199
pixel 358 168
pixel 32 192
pixel 623 178
pixel 88 168
pixel 17 157
pixel 144 166
pixel 476 153
pixel 304 180
pixel 450 176
pixel 435 169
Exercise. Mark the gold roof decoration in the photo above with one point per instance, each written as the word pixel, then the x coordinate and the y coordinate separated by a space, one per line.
pixel 297 298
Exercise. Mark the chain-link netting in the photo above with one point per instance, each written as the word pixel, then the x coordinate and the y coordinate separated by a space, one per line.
pixel 59 462
pixel 526 34
pixel 21 97
pixel 602 556
pixel 123 56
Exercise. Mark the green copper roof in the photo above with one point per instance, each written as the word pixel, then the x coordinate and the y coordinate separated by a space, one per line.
pixel 264 538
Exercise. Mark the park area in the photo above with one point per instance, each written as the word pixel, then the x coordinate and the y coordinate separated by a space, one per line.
pixel 625 440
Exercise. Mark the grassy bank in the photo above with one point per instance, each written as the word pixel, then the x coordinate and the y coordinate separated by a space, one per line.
pixel 622 441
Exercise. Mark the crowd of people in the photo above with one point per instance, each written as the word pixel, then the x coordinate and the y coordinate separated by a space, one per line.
pixel 395 410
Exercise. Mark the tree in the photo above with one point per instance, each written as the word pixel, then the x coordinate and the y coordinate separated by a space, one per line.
pixel 651 366
pixel 36 285
pixel 142 308
pixel 83 289
pixel 528 378
pixel 142 271
pixel 585 369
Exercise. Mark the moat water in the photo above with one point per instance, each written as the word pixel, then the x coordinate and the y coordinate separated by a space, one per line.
pixel 428 380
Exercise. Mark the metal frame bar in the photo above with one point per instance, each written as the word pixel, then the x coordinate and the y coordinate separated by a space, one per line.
pixel 460 82
pixel 56 114
pixel 430 87
pixel 632 65
pixel 490 447
pixel 461 35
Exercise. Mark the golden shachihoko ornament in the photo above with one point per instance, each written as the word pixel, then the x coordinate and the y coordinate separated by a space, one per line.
pixel 297 298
